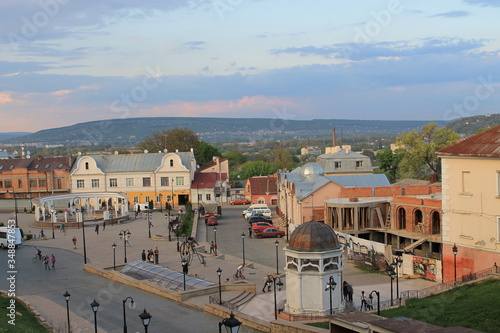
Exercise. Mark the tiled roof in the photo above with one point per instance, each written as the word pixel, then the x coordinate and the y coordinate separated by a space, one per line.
pixel 360 180
pixel 486 144
pixel 42 164
pixel 206 179
pixel 263 185
pixel 212 164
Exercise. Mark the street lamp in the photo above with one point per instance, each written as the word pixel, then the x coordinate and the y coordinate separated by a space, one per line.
pixel 161 197
pixel 150 220
pixel 455 251
pixel 231 324
pixel 125 234
pixel 243 242
pixel 83 228
pixel 397 262
pixel 219 272
pixel 66 297
pixel 15 206
pixel 124 315
pixel 114 256
pixel 390 271
pixel 277 243
pixel 271 280
pixel 330 285
pixel 215 241
pixel 184 271
pixel 145 317
pixel 378 300
pixel 95 307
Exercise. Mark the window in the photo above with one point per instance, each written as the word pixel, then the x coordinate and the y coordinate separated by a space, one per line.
pixel 130 182
pixel 113 182
pixel 59 184
pixel 338 165
pixel 86 165
pixel 80 183
pixel 146 181
pixel 20 183
pixel 8 184
pixel 498 183
pixel 179 181
pixel 465 182
pixel 60 166
pixel 498 229
pixel 42 183
pixel 200 197
pixel 171 163
pixel 33 183
pixel 47 166
pixel 36 166
pixel 147 199
pixel 164 181
pixel 158 198
pixel 1 183
pixel 208 197
pixel 359 164
pixel 136 199
pixel 95 182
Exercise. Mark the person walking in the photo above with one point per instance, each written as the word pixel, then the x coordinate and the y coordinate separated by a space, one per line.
pixel 53 261
pixel 157 256
pixel 74 242
pixel 344 290
pixel 97 229
pixel 350 291
pixel 103 225
pixel 143 255
pixel 212 250
pixel 250 232
pixel 46 262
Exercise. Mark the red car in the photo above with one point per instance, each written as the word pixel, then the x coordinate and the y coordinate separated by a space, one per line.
pixel 270 232
pixel 260 226
pixel 239 202
pixel 212 220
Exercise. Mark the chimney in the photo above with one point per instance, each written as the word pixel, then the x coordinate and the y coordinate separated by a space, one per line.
pixel 334 139
pixel 22 151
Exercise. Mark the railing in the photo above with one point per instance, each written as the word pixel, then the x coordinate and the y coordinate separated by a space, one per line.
pixel 214 299
pixel 448 284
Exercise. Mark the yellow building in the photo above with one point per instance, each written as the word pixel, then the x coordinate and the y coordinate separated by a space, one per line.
pixel 471 204
pixel 160 177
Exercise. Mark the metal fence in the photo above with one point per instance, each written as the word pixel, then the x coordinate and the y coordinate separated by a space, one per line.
pixel 214 299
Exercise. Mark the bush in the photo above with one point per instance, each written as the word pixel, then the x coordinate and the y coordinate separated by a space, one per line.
pixel 29 236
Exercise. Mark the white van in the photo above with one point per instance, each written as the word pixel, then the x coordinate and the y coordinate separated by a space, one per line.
pixel 7 234
pixel 143 207
pixel 252 207
pixel 256 211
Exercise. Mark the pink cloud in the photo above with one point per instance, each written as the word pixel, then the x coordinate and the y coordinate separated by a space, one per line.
pixel 5 98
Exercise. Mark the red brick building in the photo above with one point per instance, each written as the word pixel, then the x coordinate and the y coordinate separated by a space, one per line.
pixel 262 189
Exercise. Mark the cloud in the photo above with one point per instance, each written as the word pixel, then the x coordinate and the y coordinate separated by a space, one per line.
pixel 194 45
pixel 453 14
pixel 483 3
pixel 5 98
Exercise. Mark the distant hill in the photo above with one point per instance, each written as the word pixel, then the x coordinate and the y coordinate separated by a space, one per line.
pixel 11 135
pixel 470 125
pixel 129 131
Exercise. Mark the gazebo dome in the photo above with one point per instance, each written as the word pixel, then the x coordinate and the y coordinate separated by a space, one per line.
pixel 311 168
pixel 313 237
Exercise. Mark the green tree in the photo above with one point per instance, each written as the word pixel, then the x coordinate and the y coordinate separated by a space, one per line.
pixel 420 147
pixel 205 153
pixel 389 163
pixel 256 168
pixel 182 139
pixel 235 158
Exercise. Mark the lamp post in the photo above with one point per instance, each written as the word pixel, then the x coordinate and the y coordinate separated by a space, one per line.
pixel 125 234
pixel 215 241
pixel 231 324
pixel 83 228
pixel 66 297
pixel 330 285
pixel 219 272
pixel 15 204
pixel 378 300
pixel 455 251
pixel 243 242
pixel 184 271
pixel 277 243
pixel 125 330
pixel 95 307
pixel 390 271
pixel 150 220
pixel 397 262
pixel 114 256
pixel 145 317
pixel 271 280
pixel 161 197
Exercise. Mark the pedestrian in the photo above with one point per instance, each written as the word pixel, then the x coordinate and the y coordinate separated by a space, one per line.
pixel 345 290
pixel 46 262
pixel 350 291
pixel 53 261
pixel 212 247
pixel 143 255
pixel 250 232
pixel 215 249
pixel 126 240
pixel 42 234
pixel 103 225
pixel 97 229
pixel 74 242
pixel 39 253
pixel 157 256
pixel 150 255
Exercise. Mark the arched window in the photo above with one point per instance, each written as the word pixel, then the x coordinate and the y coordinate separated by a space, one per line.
pixel 402 218
pixel 419 217
pixel 171 163
pixel 86 165
pixel 436 223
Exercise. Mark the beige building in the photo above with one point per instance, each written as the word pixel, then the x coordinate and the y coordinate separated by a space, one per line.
pixel 471 204
pixel 160 177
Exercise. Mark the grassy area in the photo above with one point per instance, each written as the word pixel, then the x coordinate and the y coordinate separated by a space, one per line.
pixel 365 269
pixel 325 325
pixel 471 306
pixel 25 321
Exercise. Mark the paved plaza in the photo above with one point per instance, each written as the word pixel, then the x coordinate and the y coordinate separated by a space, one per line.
pixel 259 252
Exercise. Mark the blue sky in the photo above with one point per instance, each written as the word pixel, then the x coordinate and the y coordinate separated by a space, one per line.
pixel 68 61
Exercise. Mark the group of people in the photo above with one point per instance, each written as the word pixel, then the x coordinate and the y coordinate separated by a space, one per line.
pixel 348 291
pixel 153 256
pixel 47 261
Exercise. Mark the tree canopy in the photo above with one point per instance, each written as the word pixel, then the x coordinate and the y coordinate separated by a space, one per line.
pixel 419 149
pixel 389 163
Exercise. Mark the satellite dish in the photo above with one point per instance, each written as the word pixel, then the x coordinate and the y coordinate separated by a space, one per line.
pixel 197 166
pixel 79 153
pixel 116 152
pixel 145 151
pixel 165 150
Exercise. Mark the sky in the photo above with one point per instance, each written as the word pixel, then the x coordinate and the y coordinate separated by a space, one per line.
pixel 68 61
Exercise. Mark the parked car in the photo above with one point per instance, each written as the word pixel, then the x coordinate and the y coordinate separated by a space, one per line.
pixel 209 215
pixel 260 226
pixel 212 220
pixel 266 212
pixel 239 202
pixel 252 207
pixel 269 232
pixel 259 218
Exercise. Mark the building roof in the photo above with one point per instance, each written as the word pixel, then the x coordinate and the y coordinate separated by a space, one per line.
pixel 374 180
pixel 206 179
pixel 212 164
pixel 313 237
pixel 486 144
pixel 41 164
pixel 343 154
pixel 263 185
pixel 136 162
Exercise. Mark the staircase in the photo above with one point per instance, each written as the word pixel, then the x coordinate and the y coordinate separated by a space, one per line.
pixel 415 244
